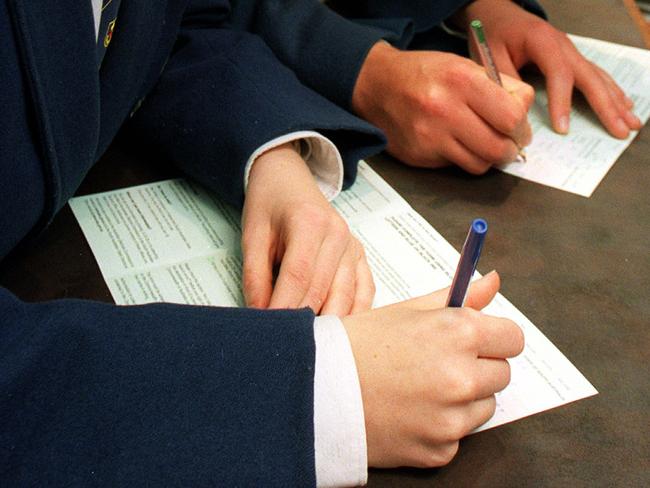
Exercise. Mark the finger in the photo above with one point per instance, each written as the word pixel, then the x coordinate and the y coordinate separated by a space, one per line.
pixel 297 271
pixel 503 109
pixel 257 267
pixel 597 93
pixel 365 290
pixel 493 375
pixel 461 419
pixel 499 337
pixel 480 412
pixel 482 140
pixel 619 101
pixel 503 60
pixel 549 57
pixel 328 262
pixel 460 155
pixel 480 294
pixel 614 88
pixel 431 453
pixel 560 90
pixel 340 297
pixel 482 291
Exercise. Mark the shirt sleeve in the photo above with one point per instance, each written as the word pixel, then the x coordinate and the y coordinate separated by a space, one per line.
pixel 339 425
pixel 320 154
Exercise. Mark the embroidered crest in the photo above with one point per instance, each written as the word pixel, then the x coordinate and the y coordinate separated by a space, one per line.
pixel 109 32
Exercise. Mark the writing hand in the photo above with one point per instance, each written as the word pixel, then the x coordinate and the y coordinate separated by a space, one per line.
pixel 429 374
pixel 437 108
pixel 518 38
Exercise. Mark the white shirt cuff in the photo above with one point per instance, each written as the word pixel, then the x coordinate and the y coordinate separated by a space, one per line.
pixel 453 32
pixel 320 154
pixel 339 424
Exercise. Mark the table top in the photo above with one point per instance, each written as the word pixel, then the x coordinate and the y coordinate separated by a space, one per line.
pixel 578 268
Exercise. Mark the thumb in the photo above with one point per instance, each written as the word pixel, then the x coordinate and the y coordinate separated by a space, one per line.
pixel 522 91
pixel 482 291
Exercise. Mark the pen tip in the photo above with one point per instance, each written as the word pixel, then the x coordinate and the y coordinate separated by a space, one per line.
pixel 521 156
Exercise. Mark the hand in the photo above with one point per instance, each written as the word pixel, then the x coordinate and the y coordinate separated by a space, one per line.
pixel 429 374
pixel 518 37
pixel 287 221
pixel 437 108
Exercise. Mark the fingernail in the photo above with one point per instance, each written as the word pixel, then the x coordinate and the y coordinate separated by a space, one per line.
pixel 635 120
pixel 629 101
pixel 622 126
pixel 563 125
pixel 513 156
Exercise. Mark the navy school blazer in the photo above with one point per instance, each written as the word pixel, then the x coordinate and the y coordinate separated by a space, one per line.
pixel 161 394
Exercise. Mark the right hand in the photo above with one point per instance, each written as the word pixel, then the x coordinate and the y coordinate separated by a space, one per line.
pixel 437 108
pixel 429 374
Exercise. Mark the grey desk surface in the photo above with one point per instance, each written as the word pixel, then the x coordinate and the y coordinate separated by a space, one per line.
pixel 579 268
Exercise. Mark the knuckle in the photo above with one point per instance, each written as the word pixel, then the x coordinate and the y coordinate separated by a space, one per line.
pixel 309 214
pixel 347 296
pixel 454 429
pixel 463 386
pixel 316 296
pixel 501 150
pixel 466 328
pixel 422 131
pixel 338 228
pixel 298 275
pixel 447 453
pixel 564 71
pixel 514 118
pixel 547 31
pixel 480 168
pixel 528 95
pixel 435 104
pixel 458 75
pixel 435 456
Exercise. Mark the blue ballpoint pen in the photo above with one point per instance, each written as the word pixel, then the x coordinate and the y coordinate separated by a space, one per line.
pixel 469 256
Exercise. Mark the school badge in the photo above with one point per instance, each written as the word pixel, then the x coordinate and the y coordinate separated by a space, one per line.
pixel 109 32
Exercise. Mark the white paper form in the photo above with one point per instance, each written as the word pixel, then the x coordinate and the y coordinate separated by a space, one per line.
pixel 171 241
pixel 578 161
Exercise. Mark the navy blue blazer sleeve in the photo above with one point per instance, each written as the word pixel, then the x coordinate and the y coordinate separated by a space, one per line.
pixel 93 394
pixel 426 16
pixel 327 50
pixel 324 49
pixel 223 94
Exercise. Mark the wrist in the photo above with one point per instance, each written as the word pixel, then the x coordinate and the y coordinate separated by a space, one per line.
pixel 276 160
pixel 371 82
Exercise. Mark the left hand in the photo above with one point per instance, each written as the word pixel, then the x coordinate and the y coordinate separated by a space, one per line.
pixel 288 222
pixel 518 38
